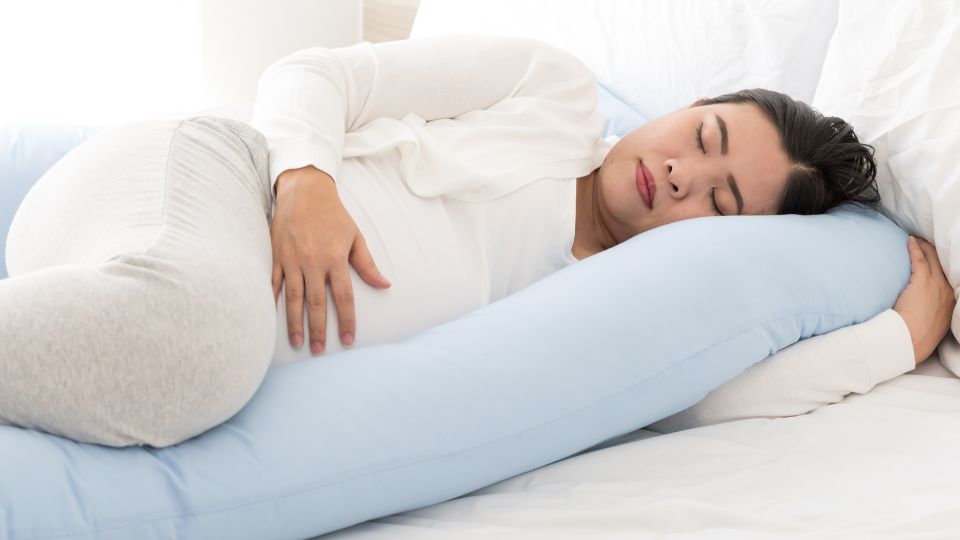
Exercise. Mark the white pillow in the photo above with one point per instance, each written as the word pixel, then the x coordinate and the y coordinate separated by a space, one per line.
pixel 897 85
pixel 661 56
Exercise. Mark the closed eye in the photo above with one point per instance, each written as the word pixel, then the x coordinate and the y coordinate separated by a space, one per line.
pixel 713 199
pixel 713 192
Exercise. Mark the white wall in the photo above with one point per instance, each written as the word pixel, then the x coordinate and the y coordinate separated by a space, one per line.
pixel 104 61
pixel 240 38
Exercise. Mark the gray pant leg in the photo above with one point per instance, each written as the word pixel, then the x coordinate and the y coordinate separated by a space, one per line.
pixel 139 308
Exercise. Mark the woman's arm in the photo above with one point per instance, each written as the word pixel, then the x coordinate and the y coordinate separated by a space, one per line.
pixel 807 375
pixel 309 99
pixel 518 109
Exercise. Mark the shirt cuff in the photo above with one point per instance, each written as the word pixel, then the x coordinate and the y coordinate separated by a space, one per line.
pixel 887 346
pixel 294 154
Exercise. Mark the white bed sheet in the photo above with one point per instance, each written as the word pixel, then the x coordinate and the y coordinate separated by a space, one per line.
pixel 879 465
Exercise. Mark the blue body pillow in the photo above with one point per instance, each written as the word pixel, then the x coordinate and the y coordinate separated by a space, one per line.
pixel 611 344
pixel 601 348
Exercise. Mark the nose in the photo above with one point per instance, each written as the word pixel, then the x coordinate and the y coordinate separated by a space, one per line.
pixel 675 178
pixel 684 176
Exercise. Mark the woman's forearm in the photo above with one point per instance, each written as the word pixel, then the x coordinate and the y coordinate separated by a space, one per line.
pixel 809 374
pixel 308 100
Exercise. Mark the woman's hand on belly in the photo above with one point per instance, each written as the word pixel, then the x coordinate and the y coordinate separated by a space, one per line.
pixel 314 238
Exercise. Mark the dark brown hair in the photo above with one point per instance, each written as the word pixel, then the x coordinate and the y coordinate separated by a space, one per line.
pixel 831 166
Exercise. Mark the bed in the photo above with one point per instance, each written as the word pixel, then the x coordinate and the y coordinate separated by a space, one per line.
pixel 878 465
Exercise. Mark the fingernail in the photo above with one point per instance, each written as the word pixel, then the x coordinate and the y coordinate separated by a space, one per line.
pixel 296 340
pixel 316 347
pixel 348 339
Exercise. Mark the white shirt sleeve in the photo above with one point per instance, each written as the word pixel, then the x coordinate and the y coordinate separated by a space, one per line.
pixel 809 374
pixel 308 100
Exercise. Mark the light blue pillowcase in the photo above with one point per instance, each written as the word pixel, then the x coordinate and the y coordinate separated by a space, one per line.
pixel 599 349
pixel 603 347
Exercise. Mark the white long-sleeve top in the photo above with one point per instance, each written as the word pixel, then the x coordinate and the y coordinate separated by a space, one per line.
pixel 463 184
pixel 464 187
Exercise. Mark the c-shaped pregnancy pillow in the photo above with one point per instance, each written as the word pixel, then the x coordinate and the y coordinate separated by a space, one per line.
pixel 600 348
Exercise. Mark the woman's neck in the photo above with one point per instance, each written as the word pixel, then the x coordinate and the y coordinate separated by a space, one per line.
pixel 590 236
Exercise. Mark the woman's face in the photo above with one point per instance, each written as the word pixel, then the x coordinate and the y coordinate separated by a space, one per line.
pixel 740 145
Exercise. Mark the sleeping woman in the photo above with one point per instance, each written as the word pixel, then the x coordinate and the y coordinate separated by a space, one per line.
pixel 452 171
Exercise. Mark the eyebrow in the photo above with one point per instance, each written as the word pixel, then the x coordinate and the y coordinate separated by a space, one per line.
pixel 723 151
pixel 723 134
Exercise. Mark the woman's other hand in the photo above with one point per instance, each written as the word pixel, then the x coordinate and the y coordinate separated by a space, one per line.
pixel 926 304
pixel 314 238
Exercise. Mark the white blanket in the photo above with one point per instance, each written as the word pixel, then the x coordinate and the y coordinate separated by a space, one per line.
pixel 879 465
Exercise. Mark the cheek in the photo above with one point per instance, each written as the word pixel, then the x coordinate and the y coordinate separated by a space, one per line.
pixel 689 210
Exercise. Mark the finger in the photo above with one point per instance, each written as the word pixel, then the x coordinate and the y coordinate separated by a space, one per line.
pixel 918 262
pixel 293 294
pixel 930 254
pixel 277 282
pixel 276 278
pixel 343 297
pixel 362 261
pixel 316 284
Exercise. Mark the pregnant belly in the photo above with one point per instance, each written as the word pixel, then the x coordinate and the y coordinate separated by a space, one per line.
pixel 414 246
pixel 412 304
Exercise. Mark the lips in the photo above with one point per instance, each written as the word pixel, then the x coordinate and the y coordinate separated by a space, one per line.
pixel 645 184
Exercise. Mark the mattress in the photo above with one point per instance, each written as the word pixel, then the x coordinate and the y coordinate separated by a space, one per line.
pixel 877 465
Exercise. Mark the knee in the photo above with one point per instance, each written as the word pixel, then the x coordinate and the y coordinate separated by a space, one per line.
pixel 159 409
pixel 192 401
pixel 232 331
pixel 210 375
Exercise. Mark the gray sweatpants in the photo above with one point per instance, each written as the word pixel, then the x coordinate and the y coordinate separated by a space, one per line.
pixel 139 308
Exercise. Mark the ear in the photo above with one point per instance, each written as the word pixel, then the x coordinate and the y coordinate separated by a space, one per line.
pixel 698 102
